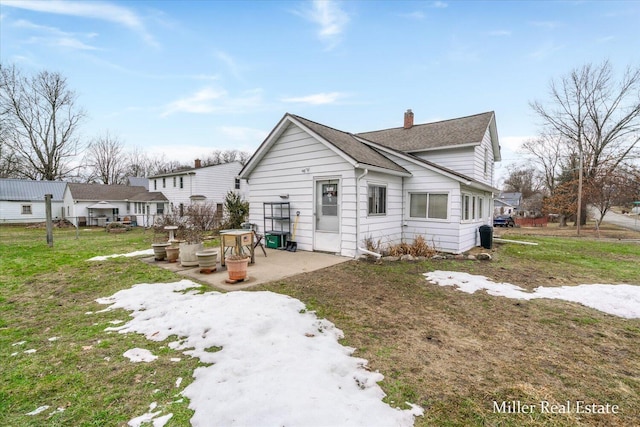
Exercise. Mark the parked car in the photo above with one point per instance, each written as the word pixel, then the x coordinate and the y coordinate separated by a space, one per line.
pixel 504 221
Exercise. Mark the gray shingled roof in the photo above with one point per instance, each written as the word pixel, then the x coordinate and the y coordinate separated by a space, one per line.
pixel 98 192
pixel 27 190
pixel 349 145
pixel 463 130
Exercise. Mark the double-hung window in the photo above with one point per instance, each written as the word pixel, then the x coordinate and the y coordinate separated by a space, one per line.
pixel 428 205
pixel 377 197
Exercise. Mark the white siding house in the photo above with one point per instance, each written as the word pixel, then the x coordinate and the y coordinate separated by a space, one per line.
pixel 208 184
pixel 98 205
pixel 22 200
pixel 385 186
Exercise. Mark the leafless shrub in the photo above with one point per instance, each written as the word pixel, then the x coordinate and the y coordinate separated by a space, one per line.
pixel 419 247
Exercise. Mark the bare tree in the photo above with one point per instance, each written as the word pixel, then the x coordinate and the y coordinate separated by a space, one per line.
pixel 523 179
pixel 218 157
pixel 546 152
pixel 42 120
pixel 592 116
pixel 105 160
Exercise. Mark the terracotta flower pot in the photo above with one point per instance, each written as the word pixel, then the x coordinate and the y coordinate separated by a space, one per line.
pixel 237 268
pixel 159 251
pixel 173 252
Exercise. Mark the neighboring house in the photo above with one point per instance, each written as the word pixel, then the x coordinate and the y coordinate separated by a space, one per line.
pixel 208 184
pixel 433 180
pixel 97 204
pixel 511 201
pixel 500 207
pixel 22 200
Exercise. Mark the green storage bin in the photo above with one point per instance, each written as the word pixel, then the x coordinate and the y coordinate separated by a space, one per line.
pixel 273 241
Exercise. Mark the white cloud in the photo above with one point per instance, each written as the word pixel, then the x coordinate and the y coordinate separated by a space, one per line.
pixel 417 15
pixel 546 50
pixel 243 134
pixel 209 100
pixel 500 33
pixel 331 19
pixel 199 102
pixel 94 9
pixel 316 99
pixel 52 36
pixel 439 4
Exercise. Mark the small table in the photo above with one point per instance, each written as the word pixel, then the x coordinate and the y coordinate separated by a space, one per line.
pixel 239 240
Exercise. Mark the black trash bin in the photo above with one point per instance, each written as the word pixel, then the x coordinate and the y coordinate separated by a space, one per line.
pixel 486 236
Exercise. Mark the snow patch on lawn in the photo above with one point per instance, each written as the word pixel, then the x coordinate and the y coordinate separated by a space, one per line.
pixel 146 252
pixel 620 300
pixel 139 355
pixel 272 362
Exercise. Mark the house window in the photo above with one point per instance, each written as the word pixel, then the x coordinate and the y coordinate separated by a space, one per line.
pixel 377 200
pixel 160 208
pixel 26 210
pixel 428 205
pixel 237 184
pixel 181 209
pixel 480 207
pixel 466 207
pixel 473 207
pixel 164 182
pixel 174 182
pixel 155 184
pixel 181 182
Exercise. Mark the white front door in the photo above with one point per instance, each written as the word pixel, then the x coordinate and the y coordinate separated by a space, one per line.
pixel 327 216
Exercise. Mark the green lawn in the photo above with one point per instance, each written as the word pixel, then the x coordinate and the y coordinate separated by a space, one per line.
pixel 450 352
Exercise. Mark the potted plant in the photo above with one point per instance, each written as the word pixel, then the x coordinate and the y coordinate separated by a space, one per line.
pixel 237 266
pixel 191 244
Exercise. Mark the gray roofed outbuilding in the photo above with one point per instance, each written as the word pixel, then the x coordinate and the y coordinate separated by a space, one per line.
pixel 28 190
pixel 89 192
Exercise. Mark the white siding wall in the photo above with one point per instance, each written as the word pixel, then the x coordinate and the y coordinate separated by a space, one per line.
pixel 387 229
pixel 289 167
pixel 461 160
pixel 213 182
pixel 469 234
pixel 11 211
pixel 479 161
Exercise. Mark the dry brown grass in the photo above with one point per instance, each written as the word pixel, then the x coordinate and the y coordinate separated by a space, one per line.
pixel 455 353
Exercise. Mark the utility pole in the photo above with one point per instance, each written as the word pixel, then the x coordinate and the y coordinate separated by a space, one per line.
pixel 47 202
pixel 579 214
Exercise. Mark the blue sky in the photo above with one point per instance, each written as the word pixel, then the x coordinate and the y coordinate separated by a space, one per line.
pixel 184 78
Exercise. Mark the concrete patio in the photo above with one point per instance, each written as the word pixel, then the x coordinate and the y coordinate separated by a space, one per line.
pixel 277 265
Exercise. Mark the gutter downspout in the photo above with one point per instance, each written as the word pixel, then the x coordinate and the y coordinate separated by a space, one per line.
pixel 360 249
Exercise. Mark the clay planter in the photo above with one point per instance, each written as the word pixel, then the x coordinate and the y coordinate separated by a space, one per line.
pixel 188 251
pixel 159 251
pixel 173 252
pixel 237 268
pixel 207 260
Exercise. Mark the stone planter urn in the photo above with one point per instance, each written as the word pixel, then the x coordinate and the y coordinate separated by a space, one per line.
pixel 188 251
pixel 237 266
pixel 207 260
pixel 159 251
pixel 173 252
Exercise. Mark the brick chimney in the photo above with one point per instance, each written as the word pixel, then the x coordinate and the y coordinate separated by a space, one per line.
pixel 198 163
pixel 408 119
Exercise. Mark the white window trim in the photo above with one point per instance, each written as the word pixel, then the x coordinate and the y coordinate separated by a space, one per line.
pixel 386 198
pixel 475 215
pixel 426 218
pixel 22 209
